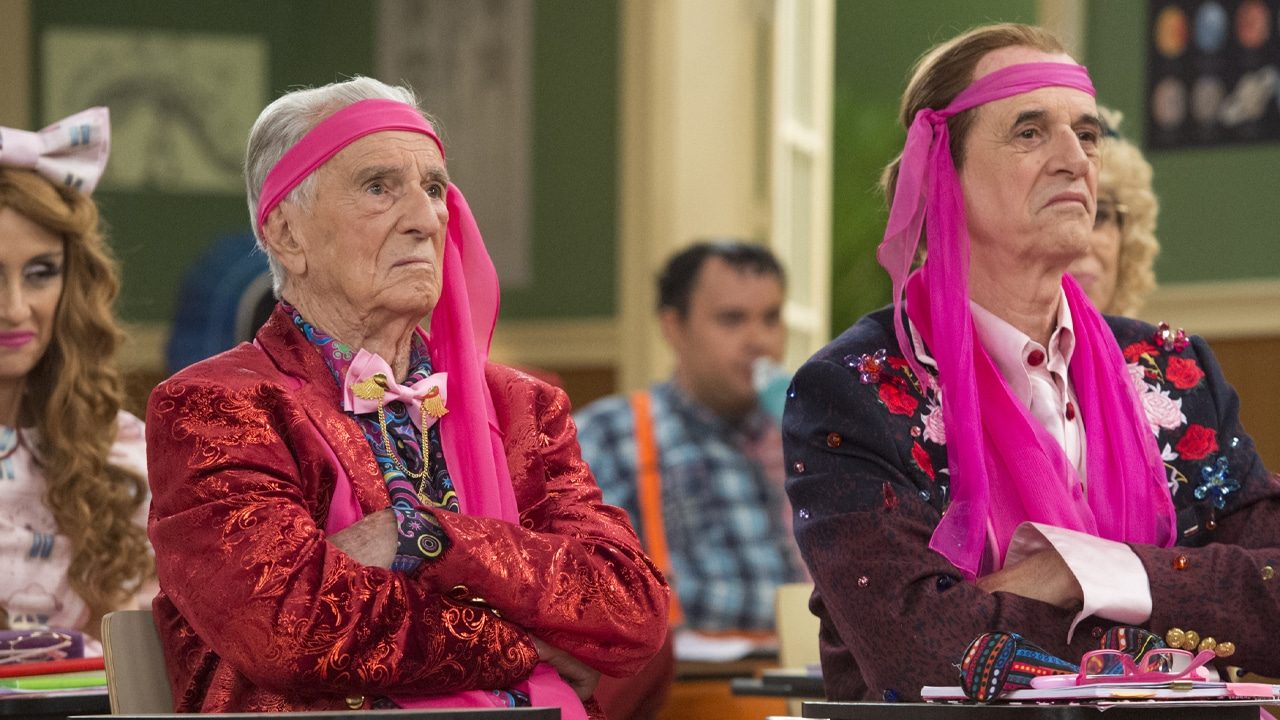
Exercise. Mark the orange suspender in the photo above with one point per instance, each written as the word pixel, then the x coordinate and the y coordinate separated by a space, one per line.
pixel 649 496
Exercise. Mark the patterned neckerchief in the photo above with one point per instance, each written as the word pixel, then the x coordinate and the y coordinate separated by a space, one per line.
pixel 436 490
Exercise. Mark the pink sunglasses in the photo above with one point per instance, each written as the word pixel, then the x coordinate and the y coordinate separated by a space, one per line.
pixel 1111 666
pixel 1155 665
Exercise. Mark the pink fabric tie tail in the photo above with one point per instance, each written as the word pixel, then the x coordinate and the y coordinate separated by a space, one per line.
pixel 1004 467
pixel 461 332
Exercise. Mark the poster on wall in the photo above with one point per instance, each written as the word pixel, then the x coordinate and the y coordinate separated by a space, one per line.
pixel 181 103
pixel 1213 72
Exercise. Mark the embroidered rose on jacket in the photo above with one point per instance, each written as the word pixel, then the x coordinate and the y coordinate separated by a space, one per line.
pixel 934 429
pixel 1183 373
pixel 1197 442
pixel 897 399
pixel 1163 412
pixel 921 458
pixel 1136 350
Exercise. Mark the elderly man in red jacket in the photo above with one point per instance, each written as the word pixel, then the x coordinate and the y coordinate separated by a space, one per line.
pixel 352 512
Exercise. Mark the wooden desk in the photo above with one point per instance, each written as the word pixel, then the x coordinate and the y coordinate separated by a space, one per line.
pixel 1150 710
pixel 702 690
pixel 788 685
pixel 55 707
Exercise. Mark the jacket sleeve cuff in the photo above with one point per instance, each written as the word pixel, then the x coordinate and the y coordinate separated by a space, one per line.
pixel 1111 576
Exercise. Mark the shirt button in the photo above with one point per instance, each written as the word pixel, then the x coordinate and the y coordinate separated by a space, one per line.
pixel 1071 410
pixel 834 440
pixel 1035 358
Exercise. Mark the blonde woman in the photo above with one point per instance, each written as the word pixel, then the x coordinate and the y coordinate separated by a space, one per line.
pixel 1118 272
pixel 73 494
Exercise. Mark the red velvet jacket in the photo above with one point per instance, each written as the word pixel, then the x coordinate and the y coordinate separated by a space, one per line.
pixel 257 612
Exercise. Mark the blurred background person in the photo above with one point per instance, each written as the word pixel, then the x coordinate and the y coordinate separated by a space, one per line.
pixel 72 463
pixel 716 454
pixel 1118 273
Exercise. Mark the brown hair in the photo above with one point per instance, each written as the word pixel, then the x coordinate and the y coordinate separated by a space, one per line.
pixel 72 397
pixel 944 71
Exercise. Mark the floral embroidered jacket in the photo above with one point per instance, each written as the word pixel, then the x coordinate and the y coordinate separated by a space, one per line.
pixel 868 482
pixel 257 612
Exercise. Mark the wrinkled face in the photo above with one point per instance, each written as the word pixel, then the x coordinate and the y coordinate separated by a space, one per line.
pixel 1030 172
pixel 734 317
pixel 373 238
pixel 1098 271
pixel 31 278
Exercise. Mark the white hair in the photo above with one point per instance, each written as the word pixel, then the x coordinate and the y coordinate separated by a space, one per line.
pixel 284 122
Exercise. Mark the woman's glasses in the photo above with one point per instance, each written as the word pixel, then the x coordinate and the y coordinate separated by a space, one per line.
pixel 1156 665
pixel 1109 212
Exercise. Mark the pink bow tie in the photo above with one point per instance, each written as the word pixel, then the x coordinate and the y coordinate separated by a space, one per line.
pixel 71 152
pixel 370 383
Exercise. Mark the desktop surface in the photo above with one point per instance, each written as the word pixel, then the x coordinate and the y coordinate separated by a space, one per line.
pixel 1139 710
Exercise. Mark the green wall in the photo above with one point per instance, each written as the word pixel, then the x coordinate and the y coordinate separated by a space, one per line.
pixel 156 236
pixel 313 42
pixel 1218 206
pixel 575 163
pixel 877 41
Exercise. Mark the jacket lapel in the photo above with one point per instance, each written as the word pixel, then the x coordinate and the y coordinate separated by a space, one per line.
pixel 321 400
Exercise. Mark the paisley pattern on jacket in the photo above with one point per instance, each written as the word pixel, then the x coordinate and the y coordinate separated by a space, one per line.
pixel 245 450
pixel 868 482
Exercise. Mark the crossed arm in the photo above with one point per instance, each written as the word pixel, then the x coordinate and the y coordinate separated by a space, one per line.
pixel 308 609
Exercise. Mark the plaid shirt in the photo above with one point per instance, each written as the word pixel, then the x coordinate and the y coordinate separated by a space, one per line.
pixel 729 546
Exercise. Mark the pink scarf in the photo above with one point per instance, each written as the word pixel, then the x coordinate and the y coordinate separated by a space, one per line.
pixel 461 331
pixel 1005 467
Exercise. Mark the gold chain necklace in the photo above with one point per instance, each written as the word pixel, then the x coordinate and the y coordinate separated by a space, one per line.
pixel 395 457
pixel 375 388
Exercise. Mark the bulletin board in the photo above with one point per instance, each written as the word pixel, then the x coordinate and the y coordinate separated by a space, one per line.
pixel 1213 72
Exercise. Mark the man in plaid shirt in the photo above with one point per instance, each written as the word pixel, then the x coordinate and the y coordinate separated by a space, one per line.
pixel 717 455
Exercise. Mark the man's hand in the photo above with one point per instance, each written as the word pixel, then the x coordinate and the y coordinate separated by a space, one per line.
pixel 581 678
pixel 1044 576
pixel 371 540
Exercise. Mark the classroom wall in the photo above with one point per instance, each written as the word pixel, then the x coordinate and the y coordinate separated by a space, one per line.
pixel 158 233
pixel 1218 209
pixel 877 41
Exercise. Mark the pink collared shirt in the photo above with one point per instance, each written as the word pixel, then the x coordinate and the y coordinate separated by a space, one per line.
pixel 1112 579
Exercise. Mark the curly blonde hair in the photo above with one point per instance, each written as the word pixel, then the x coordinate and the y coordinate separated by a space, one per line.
pixel 1125 177
pixel 72 397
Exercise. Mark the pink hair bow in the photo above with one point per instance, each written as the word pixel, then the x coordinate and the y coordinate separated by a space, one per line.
pixel 71 152
pixel 370 384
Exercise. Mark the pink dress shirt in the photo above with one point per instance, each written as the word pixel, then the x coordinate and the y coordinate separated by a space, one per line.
pixel 1113 580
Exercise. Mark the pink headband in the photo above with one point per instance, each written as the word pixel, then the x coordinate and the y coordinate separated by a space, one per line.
pixel 332 134
pixel 1005 467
